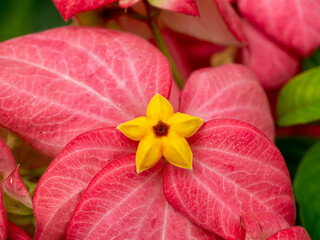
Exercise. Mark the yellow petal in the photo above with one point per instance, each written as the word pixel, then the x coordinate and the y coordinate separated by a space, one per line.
pixel 136 129
pixel 184 124
pixel 176 150
pixel 149 152
pixel 159 108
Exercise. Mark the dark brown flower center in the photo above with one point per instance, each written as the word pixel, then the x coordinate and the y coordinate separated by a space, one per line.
pixel 160 129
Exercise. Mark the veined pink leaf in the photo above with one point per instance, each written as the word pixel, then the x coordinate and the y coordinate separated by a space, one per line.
pixel 229 91
pixel 121 204
pixel 69 8
pixel 236 171
pixel 210 26
pixel 14 187
pixel 61 186
pixel 7 163
pixel 16 233
pixel 260 226
pixel 294 23
pixel 3 227
pixel 293 233
pixel 272 64
pixel 63 82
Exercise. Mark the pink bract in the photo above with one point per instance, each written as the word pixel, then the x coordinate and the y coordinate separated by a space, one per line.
pixel 63 82
pixel 3 227
pixel 16 233
pixel 294 23
pixel 273 64
pixel 7 163
pixel 69 8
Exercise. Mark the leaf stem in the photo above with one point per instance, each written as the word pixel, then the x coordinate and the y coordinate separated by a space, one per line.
pixel 161 44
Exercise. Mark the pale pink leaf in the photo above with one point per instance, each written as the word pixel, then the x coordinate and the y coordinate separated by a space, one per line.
pixel 294 23
pixel 229 91
pixel 16 233
pixel 182 6
pixel 63 82
pixel 293 233
pixel 260 226
pixel 209 26
pixel 3 226
pixel 121 204
pixel 69 8
pixel 62 185
pixel 236 171
pixel 7 162
pixel 14 187
pixel 272 64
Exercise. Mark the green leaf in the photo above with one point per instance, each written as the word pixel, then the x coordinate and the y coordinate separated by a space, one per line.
pixel 307 191
pixel 312 61
pixel 299 99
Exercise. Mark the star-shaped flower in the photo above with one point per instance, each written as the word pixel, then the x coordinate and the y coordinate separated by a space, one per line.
pixel 162 133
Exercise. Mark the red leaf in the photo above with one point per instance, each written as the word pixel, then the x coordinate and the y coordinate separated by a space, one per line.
pixel 14 187
pixel 7 163
pixel 294 23
pixel 202 27
pixel 69 8
pixel 273 64
pixel 63 82
pixel 229 91
pixel 293 233
pixel 3 227
pixel 236 171
pixel 182 6
pixel 260 226
pixel 16 233
pixel 62 185
pixel 121 204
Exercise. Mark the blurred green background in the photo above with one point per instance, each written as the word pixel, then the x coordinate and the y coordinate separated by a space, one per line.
pixel 20 17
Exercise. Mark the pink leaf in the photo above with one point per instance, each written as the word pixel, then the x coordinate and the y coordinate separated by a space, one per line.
pixel 182 6
pixel 293 233
pixel 273 64
pixel 202 27
pixel 63 82
pixel 260 226
pixel 121 204
pixel 236 171
pixel 3 227
pixel 7 163
pixel 69 8
pixel 16 233
pixel 294 23
pixel 14 187
pixel 62 185
pixel 229 91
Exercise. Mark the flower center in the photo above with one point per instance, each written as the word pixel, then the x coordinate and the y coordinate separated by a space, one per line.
pixel 160 129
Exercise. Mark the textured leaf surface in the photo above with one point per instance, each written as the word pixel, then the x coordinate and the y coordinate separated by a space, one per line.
pixel 63 82
pixel 121 204
pixel 260 226
pixel 229 91
pixel 299 99
pixel 272 64
pixel 182 6
pixel 201 27
pixel 3 227
pixel 294 23
pixel 307 191
pixel 7 163
pixel 293 233
pixel 236 171
pixel 14 187
pixel 16 233
pixel 62 185
pixel 69 8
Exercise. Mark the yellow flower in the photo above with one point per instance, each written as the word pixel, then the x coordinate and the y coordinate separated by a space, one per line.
pixel 162 133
